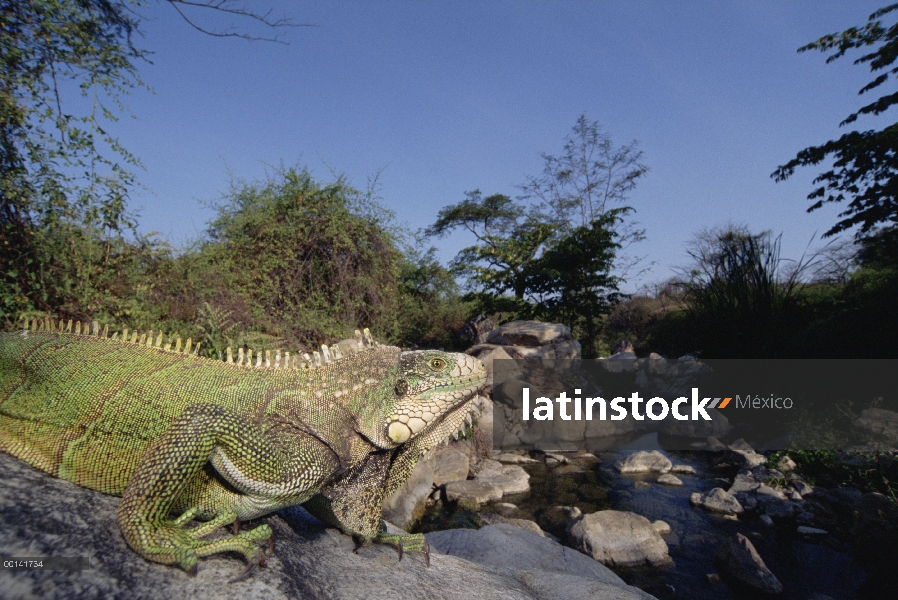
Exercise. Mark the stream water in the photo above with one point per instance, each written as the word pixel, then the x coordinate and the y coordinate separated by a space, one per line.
pixel 804 567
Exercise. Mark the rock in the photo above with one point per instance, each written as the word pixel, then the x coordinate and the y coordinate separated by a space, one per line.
pixel 717 500
pixel 715 445
pixel 683 470
pixel 515 459
pixel 487 353
pixel 525 524
pixel 880 423
pixel 713 578
pixel 766 520
pixel 472 490
pixel 449 465
pixel 510 479
pixel 661 527
pixel 506 509
pixel 624 346
pixel 801 487
pixel 779 509
pixel 617 538
pixel 310 560
pixel 803 530
pixel 741 454
pixel 556 519
pixel 560 459
pixel 795 496
pixel 475 330
pixel 407 504
pixel 668 479
pixel 743 562
pixel 645 462
pixel 786 464
pixel 551 570
pixel 529 333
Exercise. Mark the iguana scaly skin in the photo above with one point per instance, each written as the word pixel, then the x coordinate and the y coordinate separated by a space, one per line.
pixel 180 437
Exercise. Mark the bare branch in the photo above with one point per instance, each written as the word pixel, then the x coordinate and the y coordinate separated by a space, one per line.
pixel 239 10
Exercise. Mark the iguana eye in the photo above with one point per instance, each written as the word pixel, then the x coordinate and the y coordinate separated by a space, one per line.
pixel 437 363
pixel 401 388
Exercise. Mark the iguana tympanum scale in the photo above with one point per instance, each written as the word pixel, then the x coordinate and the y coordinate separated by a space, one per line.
pixel 180 436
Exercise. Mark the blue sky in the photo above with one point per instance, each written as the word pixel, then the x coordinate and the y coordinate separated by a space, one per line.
pixel 446 97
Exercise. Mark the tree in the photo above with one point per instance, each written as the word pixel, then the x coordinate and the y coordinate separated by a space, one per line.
pixel 865 163
pixel 587 179
pixel 572 279
pixel 64 177
pixel 552 258
pixel 509 244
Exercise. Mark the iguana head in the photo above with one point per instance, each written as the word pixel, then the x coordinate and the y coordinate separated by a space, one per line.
pixel 430 385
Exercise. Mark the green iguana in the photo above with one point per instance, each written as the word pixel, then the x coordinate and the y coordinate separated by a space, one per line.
pixel 182 437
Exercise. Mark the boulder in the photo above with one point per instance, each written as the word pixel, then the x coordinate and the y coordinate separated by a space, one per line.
pixel 717 500
pixel 525 524
pixel 742 561
pixel 529 333
pixel 786 464
pixel 449 465
pixel 668 479
pixel 487 353
pixel 406 505
pixel 661 527
pixel 551 570
pixel 515 459
pixel 471 490
pixel 624 346
pixel 645 462
pixel 741 454
pixel 510 479
pixel 683 470
pixel 310 560
pixel 617 538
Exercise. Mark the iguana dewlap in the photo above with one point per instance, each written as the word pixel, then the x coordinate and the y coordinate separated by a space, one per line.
pixel 180 436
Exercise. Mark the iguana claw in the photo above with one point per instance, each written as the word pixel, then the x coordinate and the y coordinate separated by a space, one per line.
pixel 258 560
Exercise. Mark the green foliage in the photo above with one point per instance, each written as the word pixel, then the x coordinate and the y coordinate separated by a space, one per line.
pixel 299 260
pixel 739 304
pixel 865 165
pixel 866 471
pixel 572 279
pixel 553 259
pixel 63 178
pixel 431 309
pixel 498 268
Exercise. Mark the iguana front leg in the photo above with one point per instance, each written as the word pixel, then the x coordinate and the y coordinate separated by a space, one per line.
pixel 170 474
pixel 353 504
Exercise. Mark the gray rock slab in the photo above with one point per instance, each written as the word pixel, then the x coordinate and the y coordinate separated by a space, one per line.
pixel 529 333
pixel 645 462
pixel 683 469
pixel 618 538
pixel 511 479
pixel 43 516
pixel 668 479
pixel 717 500
pixel 477 491
pixel 515 459
pixel 550 569
pixel 743 562
pixel 450 465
